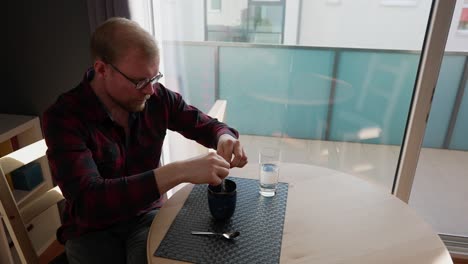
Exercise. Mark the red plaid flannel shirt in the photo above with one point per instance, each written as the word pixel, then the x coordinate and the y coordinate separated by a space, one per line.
pixel 106 176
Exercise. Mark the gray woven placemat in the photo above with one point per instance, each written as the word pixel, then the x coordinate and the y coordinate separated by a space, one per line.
pixel 259 220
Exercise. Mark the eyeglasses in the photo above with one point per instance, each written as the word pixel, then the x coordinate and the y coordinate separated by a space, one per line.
pixel 139 84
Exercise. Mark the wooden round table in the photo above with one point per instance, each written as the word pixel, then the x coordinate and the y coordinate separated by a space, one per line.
pixel 332 217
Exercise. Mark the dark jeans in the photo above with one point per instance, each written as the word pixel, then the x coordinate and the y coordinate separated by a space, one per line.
pixel 122 243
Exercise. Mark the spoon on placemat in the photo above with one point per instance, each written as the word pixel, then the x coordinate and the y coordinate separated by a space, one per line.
pixel 227 235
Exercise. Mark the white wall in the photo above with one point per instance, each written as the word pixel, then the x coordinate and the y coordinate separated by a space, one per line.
pixel 291 22
pixel 326 23
pixel 363 24
pixel 456 41
pixel 371 24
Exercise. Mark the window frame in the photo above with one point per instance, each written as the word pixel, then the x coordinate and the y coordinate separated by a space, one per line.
pixel 463 32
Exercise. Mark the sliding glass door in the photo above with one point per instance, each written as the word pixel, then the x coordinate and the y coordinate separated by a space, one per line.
pixel 439 192
pixel 345 85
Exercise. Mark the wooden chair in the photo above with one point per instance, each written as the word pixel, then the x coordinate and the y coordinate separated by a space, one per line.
pixel 16 219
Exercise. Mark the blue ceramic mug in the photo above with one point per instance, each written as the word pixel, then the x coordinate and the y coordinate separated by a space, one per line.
pixel 222 203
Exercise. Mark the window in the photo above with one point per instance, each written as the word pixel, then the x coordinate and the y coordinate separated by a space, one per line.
pixel 463 23
pixel 246 21
pixel 214 6
pixel 340 98
pixel 265 23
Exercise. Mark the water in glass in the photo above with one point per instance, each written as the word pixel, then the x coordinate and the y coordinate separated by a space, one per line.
pixel 269 174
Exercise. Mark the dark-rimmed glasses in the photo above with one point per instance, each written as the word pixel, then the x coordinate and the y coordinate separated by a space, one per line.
pixel 139 84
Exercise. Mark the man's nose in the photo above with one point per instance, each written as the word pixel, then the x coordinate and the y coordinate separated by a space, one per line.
pixel 148 89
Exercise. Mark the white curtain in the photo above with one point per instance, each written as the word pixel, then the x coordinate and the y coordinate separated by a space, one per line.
pixel 136 10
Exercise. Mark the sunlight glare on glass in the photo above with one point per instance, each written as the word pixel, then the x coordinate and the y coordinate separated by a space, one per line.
pixel 369 133
pixel 324 152
pixel 363 167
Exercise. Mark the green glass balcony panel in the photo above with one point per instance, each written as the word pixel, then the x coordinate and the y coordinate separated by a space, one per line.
pixel 373 95
pixel 460 133
pixel 444 98
pixel 285 91
pixel 276 91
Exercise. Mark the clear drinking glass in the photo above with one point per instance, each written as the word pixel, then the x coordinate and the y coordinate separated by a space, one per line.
pixel 269 162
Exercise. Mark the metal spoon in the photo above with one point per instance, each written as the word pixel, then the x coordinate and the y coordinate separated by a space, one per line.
pixel 227 235
pixel 223 186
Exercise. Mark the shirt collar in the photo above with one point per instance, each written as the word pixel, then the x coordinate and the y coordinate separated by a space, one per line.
pixel 96 111
pixel 94 108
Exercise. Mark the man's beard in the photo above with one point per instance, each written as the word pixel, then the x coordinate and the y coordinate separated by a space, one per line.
pixel 140 107
pixel 133 107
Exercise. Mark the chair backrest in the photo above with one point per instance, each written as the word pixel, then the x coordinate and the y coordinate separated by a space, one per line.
pixel 15 218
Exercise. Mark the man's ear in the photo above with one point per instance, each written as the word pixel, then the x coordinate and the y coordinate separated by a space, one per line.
pixel 100 68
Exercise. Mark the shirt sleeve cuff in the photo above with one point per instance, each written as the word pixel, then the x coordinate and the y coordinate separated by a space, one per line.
pixel 223 131
pixel 144 186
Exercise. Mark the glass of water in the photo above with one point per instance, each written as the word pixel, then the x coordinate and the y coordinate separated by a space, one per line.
pixel 269 161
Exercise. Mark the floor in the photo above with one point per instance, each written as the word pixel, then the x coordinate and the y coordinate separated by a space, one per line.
pixel 439 192
pixel 460 261
pixel 52 252
pixel 56 249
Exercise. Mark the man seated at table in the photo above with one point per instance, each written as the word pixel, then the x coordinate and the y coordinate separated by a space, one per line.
pixel 104 141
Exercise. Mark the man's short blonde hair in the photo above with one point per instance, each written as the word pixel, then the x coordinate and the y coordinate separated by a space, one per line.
pixel 116 36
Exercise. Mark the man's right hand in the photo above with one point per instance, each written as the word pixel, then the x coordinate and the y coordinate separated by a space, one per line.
pixel 210 168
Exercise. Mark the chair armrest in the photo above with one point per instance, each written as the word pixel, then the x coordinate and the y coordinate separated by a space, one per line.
pixel 218 110
pixel 23 156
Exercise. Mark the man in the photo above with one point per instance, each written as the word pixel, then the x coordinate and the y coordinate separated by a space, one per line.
pixel 104 141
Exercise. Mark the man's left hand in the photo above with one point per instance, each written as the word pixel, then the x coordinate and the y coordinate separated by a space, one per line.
pixel 228 146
